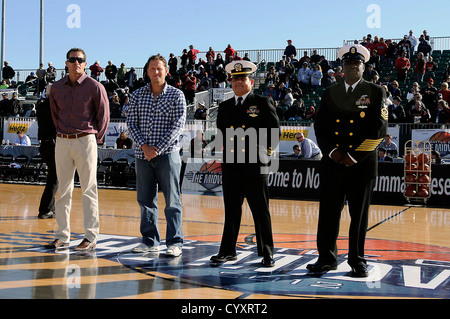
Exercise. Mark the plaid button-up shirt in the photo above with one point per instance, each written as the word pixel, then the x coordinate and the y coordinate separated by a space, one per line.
pixel 157 122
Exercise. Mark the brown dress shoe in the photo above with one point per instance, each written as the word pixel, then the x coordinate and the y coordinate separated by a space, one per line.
pixel 57 243
pixel 85 245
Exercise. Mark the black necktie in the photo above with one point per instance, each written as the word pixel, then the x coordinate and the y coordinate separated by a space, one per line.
pixel 239 104
pixel 350 90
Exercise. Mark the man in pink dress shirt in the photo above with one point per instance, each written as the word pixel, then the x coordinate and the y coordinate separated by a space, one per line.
pixel 80 111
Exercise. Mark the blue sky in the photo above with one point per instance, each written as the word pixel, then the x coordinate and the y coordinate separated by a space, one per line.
pixel 131 31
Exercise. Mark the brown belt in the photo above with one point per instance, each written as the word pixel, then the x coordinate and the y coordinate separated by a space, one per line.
pixel 72 136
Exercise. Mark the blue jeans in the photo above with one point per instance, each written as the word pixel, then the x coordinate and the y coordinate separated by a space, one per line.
pixel 163 170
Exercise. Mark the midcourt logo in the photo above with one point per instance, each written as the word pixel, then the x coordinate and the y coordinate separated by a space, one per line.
pixel 396 269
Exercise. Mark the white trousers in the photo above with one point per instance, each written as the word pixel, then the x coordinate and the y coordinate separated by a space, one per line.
pixel 81 155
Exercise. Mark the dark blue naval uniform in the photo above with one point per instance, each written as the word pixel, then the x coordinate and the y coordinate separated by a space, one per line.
pixel 354 123
pixel 244 178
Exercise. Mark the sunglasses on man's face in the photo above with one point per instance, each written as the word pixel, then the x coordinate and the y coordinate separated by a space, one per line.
pixel 76 59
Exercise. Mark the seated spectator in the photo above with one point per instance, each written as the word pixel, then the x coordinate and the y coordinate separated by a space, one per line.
pixel 441 115
pixel 125 105
pixel 114 107
pixel 419 114
pixel 410 105
pixel 389 98
pixel 310 112
pixel 395 90
pixel 124 141
pixel 296 112
pixel 200 113
pixel 236 56
pixel 382 156
pixel 388 81
pixel 445 92
pixel 270 91
pixel 31 112
pixel 304 58
pixel 338 75
pixel 390 148
pixel 4 85
pixel 22 139
pixel 329 79
pixel 376 79
pixel 396 111
pixel 415 89
pixel 296 152
pixel 281 92
pixel 369 73
pixel 374 60
pixel 288 99
pixel 31 80
pixel 271 77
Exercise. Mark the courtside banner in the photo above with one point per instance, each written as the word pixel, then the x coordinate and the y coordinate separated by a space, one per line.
pixel 300 180
pixel 439 140
pixel 203 177
pixel 28 125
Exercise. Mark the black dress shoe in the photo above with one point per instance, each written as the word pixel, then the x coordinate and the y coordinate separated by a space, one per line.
pixel 360 271
pixel 268 261
pixel 320 267
pixel 46 215
pixel 57 243
pixel 222 258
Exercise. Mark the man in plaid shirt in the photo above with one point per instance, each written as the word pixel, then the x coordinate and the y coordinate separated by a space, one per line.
pixel 155 120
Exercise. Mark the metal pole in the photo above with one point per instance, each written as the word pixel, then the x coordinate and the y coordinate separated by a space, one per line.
pixel 41 50
pixel 3 35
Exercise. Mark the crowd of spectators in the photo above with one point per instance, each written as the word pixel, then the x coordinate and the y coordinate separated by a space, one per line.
pixel 290 79
pixel 287 81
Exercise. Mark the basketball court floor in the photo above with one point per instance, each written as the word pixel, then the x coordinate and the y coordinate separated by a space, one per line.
pixel 407 248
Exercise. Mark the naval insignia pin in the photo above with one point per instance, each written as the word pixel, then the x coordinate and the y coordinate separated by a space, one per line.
pixel 253 111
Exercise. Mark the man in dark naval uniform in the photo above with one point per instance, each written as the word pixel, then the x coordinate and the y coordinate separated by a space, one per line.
pixel 350 124
pixel 250 130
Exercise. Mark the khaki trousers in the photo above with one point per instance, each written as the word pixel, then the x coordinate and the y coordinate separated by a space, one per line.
pixel 81 155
